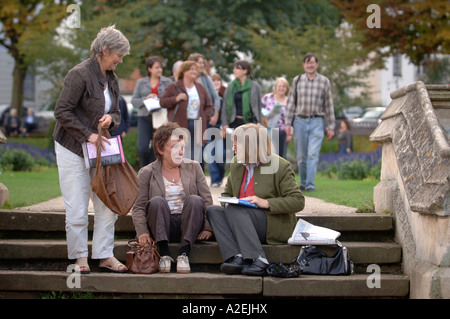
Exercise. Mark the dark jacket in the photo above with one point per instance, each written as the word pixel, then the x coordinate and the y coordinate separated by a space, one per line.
pixel 125 118
pixel 82 103
pixel 168 100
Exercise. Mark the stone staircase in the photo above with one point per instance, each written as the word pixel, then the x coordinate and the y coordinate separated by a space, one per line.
pixel 33 260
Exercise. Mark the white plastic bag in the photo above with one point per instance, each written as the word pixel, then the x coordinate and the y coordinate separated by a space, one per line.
pixel 159 117
pixel 309 234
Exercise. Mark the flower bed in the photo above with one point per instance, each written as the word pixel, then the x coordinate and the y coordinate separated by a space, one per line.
pixel 351 166
pixel 42 157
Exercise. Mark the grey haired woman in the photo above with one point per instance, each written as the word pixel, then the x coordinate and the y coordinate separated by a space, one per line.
pixel 89 97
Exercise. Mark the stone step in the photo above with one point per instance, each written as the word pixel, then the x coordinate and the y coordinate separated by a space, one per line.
pixel 20 224
pixel 210 284
pixel 33 258
pixel 201 253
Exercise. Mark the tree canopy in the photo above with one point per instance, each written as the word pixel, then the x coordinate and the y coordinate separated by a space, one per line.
pixel 26 25
pixel 417 29
pixel 216 28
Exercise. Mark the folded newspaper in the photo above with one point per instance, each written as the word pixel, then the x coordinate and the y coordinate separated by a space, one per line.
pixel 309 234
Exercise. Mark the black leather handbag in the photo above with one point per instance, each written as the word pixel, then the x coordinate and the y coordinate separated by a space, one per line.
pixel 315 262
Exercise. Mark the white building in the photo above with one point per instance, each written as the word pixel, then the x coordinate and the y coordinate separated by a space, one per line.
pixel 398 71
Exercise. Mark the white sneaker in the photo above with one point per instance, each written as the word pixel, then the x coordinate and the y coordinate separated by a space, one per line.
pixel 183 264
pixel 165 263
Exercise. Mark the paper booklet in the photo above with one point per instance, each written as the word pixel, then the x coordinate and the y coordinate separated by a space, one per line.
pixel 237 201
pixel 152 104
pixel 112 154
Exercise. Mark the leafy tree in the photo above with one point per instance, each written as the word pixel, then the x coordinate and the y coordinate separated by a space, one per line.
pixel 173 29
pixel 26 24
pixel 341 56
pixel 415 28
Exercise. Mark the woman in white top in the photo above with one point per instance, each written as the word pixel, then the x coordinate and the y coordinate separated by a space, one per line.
pixel 194 107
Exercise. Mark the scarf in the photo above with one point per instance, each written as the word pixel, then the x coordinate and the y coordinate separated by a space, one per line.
pixel 236 86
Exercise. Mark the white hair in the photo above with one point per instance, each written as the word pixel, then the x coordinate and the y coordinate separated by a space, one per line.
pixel 111 39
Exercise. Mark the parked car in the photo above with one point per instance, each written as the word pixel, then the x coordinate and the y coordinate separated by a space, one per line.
pixel 366 124
pixel 353 112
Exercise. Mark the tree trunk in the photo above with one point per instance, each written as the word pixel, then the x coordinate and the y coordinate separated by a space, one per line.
pixel 18 83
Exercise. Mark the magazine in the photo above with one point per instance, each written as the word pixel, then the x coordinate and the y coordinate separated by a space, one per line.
pixel 237 201
pixel 112 154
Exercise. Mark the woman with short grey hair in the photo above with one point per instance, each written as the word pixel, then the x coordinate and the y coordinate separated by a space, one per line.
pixel 112 39
pixel 89 98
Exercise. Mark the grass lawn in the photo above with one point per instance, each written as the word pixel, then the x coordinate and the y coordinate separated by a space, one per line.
pixel 28 188
pixel 351 193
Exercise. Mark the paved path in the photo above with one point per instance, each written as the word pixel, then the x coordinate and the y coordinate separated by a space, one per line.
pixel 312 205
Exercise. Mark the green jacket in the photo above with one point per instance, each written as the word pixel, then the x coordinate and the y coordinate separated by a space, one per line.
pixel 281 191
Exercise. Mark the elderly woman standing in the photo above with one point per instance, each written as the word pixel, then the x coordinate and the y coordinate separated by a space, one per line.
pixel 151 86
pixel 89 97
pixel 264 179
pixel 172 199
pixel 194 106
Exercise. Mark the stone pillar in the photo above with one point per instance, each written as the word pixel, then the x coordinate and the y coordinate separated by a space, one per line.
pixel 4 195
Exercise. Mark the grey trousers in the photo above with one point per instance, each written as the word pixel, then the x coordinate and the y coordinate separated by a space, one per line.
pixel 183 228
pixel 238 230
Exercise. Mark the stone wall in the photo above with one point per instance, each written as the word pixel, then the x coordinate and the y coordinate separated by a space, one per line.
pixel 414 184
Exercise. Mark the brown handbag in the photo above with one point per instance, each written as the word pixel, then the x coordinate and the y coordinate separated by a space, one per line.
pixel 142 258
pixel 116 185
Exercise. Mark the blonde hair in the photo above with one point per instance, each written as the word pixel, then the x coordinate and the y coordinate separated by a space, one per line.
pixel 253 143
pixel 197 56
pixel 284 81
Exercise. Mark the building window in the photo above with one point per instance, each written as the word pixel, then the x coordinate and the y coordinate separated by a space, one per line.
pixel 397 67
pixel 29 86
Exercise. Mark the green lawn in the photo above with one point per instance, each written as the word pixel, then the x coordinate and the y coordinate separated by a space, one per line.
pixel 28 188
pixel 351 193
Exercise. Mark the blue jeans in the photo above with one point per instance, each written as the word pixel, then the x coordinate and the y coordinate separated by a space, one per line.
pixel 145 134
pixel 217 168
pixel 308 136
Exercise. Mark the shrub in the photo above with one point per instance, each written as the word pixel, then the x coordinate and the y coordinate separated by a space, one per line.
pixel 130 148
pixel 17 160
pixel 43 157
pixel 356 166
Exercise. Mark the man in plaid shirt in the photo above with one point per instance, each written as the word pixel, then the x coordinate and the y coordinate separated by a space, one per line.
pixel 310 101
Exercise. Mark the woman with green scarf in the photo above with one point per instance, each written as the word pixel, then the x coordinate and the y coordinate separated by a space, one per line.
pixel 242 99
